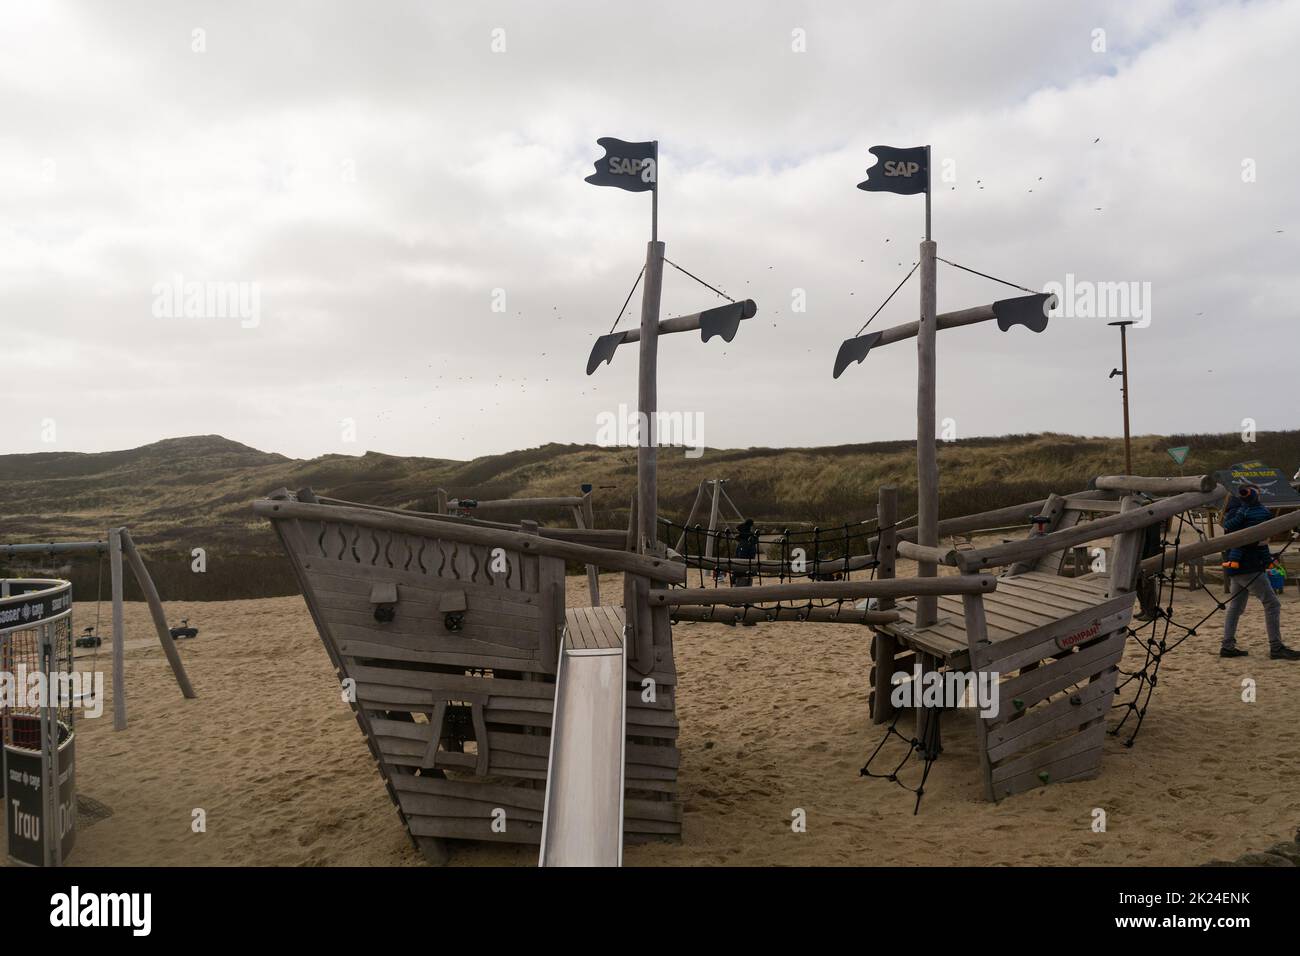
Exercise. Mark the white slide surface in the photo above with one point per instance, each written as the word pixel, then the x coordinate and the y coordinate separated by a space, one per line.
pixel 582 819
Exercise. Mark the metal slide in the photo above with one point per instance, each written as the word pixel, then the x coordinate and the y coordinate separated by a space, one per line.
pixel 582 821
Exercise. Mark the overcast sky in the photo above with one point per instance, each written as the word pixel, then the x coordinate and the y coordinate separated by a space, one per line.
pixel 375 171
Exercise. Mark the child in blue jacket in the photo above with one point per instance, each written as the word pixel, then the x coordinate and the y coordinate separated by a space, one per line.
pixel 1247 571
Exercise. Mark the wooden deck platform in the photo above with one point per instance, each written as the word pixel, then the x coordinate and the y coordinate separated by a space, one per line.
pixel 1049 644
pixel 593 628
pixel 1033 603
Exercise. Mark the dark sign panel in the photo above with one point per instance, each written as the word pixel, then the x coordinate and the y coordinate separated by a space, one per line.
pixel 725 319
pixel 630 166
pixel 25 822
pixel 1027 310
pixel 1274 488
pixel 21 611
pixel 902 171
pixel 854 350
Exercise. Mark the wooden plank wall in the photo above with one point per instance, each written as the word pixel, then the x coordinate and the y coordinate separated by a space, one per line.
pixel 485 689
pixel 1057 685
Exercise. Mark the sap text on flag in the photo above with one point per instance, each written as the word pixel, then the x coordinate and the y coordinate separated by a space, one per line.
pixel 630 166
pixel 897 170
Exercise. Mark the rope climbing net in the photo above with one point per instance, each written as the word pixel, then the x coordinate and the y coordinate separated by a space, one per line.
pixel 923 745
pixel 745 556
pixel 1163 633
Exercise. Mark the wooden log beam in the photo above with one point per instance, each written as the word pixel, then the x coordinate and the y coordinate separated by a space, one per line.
pixel 945 320
pixel 592 537
pixel 857 562
pixel 920 553
pixel 518 504
pixel 686 323
pixel 979 558
pixel 143 579
pixel 54 547
pixel 1000 517
pixel 827 590
pixel 722 321
pixel 720 614
pixel 651 566
pixel 927 463
pixel 119 631
pixel 1260 532
pixel 1155 486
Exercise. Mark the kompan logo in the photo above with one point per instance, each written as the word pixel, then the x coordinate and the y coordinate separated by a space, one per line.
pixel 73 909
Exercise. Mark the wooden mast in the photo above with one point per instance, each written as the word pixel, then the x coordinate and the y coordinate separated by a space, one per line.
pixel 647 469
pixel 647 464
pixel 927 468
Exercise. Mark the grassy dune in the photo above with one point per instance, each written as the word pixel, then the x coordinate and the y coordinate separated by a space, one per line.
pixel 183 493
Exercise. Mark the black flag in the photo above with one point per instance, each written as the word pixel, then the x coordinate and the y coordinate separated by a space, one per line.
pixel 902 171
pixel 630 166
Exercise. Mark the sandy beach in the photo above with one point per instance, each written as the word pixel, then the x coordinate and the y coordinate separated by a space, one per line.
pixel 773 718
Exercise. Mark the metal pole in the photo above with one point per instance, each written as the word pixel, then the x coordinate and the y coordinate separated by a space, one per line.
pixel 654 200
pixel 49 745
pixel 927 193
pixel 1123 348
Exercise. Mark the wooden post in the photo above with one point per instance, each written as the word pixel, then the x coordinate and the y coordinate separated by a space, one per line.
pixel 156 611
pixel 119 630
pixel 586 519
pixel 927 468
pixel 647 477
pixel 1126 553
pixel 886 645
pixel 977 641
pixel 713 518
pixel 699 496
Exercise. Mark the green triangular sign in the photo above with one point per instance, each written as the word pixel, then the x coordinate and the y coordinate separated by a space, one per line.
pixel 1179 454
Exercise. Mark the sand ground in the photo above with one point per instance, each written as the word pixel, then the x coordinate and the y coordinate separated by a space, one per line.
pixel 773 718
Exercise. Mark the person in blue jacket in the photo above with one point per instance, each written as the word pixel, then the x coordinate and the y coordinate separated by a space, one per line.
pixel 1247 571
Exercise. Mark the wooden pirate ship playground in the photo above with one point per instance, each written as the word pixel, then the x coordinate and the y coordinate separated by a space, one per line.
pixel 495 712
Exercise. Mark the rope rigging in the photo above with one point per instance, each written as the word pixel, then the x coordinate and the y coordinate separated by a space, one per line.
pixel 985 275
pixel 887 298
pixel 630 293
pixel 640 275
pixel 955 265
pixel 698 279
pixel 1157 644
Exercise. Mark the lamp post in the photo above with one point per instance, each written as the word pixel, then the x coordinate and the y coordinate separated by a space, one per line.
pixel 1123 371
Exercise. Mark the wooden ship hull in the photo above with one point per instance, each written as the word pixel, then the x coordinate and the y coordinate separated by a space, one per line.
pixel 445 635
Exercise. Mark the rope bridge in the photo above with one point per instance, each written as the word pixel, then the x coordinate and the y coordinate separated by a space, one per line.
pixel 736 556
